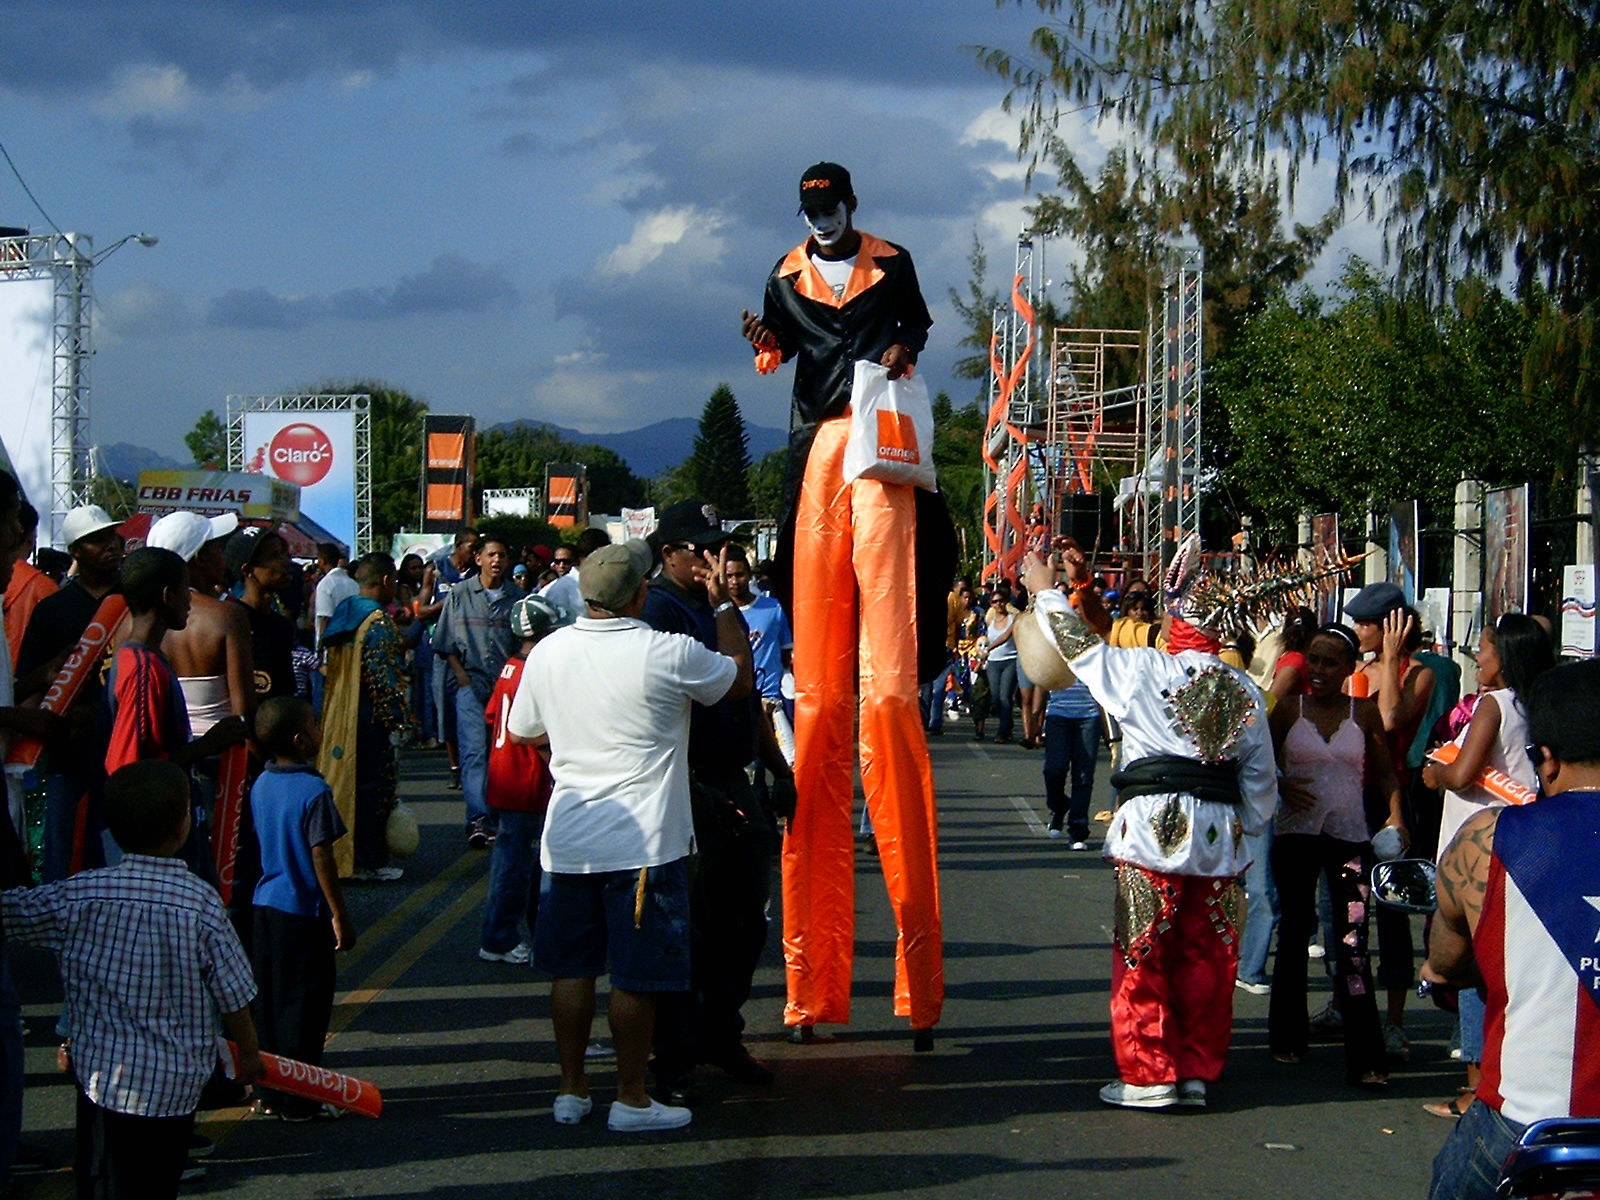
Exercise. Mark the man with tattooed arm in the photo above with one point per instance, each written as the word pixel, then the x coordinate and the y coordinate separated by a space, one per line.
pixel 1519 917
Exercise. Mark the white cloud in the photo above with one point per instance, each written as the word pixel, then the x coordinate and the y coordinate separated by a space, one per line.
pixel 688 228
pixel 149 90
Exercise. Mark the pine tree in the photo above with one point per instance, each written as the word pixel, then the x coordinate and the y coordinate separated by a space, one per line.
pixel 719 467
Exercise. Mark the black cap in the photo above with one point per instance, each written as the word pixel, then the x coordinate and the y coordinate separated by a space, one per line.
pixel 824 187
pixel 694 521
pixel 1374 602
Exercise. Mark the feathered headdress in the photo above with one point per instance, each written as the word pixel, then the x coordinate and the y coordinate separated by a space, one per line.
pixel 1206 605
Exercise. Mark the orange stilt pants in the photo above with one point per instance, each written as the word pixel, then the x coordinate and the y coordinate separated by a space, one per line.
pixel 855 617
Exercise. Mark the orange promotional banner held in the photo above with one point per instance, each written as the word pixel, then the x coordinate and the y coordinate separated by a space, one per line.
pixel 233 769
pixel 1497 783
pixel 74 673
pixel 310 1083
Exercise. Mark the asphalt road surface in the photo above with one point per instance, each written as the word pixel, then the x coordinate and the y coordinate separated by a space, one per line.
pixel 1004 1106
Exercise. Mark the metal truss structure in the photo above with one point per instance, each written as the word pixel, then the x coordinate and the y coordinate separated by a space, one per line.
pixel 67 260
pixel 1013 434
pixel 1094 431
pixel 359 403
pixel 1169 497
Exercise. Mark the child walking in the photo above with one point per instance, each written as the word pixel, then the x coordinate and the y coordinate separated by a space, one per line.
pixel 300 917
pixel 148 960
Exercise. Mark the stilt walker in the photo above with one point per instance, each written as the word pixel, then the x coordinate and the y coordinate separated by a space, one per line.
pixel 869 564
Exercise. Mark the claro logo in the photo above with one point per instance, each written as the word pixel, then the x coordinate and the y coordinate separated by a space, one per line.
pixel 300 453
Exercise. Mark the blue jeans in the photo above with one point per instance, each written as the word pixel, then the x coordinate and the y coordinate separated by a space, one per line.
pixel 1071 745
pixel 1467 1167
pixel 472 749
pixel 513 882
pixel 1003 687
pixel 932 697
pixel 1471 1016
pixel 1261 897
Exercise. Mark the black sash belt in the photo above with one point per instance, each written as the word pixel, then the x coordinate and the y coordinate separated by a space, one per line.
pixel 1163 773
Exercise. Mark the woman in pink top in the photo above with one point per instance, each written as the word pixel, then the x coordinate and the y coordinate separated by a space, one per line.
pixel 1325 741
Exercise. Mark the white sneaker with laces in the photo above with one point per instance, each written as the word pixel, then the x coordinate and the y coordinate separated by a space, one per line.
pixel 624 1118
pixel 518 954
pixel 1133 1095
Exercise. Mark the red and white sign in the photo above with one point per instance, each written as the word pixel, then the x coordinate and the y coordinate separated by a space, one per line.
pixel 315 450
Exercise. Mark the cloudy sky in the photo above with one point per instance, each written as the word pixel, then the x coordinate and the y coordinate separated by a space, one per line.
pixel 507 209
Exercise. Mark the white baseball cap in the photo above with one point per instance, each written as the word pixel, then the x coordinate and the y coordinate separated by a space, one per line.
pixel 87 519
pixel 185 532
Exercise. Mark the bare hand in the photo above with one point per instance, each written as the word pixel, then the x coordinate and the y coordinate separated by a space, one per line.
pixel 757 334
pixel 1397 627
pixel 1036 575
pixel 715 576
pixel 1073 560
pixel 1432 776
pixel 899 360
pixel 344 933
pixel 224 735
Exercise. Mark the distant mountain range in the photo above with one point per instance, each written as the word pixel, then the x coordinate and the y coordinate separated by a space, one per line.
pixel 656 448
pixel 648 451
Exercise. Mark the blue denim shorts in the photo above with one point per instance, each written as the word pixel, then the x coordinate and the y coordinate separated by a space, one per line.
pixel 586 925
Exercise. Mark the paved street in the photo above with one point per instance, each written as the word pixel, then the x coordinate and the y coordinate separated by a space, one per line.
pixel 1004 1106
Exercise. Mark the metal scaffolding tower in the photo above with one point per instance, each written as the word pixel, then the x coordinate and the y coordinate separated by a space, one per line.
pixel 1170 495
pixel 1093 430
pixel 67 260
pixel 1011 460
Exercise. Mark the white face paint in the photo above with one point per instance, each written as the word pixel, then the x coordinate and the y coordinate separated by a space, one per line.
pixel 829 227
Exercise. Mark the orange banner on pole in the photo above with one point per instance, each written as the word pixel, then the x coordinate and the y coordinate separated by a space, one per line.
pixel 311 1083
pixel 1497 783
pixel 74 673
pixel 231 775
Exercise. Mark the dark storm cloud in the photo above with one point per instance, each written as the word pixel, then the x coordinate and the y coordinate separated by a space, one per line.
pixel 450 284
pixel 267 44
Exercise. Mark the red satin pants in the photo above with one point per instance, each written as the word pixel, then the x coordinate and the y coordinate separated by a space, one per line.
pixel 1172 1008
pixel 855 619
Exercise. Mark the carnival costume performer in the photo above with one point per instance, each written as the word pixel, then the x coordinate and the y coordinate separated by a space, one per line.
pixel 1198 775
pixel 870 565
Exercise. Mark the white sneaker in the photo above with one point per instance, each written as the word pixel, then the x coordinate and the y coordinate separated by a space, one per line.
pixel 624 1118
pixel 569 1109
pixel 1255 989
pixel 1192 1093
pixel 1133 1095
pixel 1315 950
pixel 518 954
pixel 1080 845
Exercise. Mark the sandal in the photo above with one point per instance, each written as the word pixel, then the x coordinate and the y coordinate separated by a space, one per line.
pixel 1451 1110
pixel 1284 1056
pixel 1372 1081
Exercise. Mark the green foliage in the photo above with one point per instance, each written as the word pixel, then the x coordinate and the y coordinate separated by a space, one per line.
pixel 719 467
pixel 957 453
pixel 521 532
pixel 1375 397
pixel 766 483
pixel 1474 128
pixel 976 310
pixel 208 442
pixel 514 456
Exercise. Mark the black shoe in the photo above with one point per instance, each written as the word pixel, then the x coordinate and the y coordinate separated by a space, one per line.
pixel 939 732
pixel 803 1035
pixel 201 1146
pixel 738 1065
pixel 922 1041
pixel 1055 825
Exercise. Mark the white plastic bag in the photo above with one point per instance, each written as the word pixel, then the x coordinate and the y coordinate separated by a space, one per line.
pixel 891 429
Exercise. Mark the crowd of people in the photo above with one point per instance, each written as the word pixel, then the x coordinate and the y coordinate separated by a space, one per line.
pixel 640 731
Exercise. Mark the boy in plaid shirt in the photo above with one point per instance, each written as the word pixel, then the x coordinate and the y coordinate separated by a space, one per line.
pixel 148 960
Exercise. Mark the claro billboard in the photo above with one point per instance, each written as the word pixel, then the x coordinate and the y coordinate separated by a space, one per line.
pixel 317 451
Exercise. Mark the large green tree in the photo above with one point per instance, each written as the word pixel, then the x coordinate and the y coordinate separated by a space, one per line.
pixel 1473 129
pixel 514 456
pixel 719 467
pixel 1372 396
pixel 208 442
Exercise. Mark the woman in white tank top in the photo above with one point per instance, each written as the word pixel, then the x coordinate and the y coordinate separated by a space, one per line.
pixel 1325 741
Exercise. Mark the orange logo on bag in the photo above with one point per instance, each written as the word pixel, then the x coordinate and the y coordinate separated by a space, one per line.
pixel 897 438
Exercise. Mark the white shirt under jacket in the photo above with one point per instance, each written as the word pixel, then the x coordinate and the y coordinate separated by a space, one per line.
pixel 1143 689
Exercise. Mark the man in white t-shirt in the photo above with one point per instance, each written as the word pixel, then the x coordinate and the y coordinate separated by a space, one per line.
pixel 611 698
pixel 335 587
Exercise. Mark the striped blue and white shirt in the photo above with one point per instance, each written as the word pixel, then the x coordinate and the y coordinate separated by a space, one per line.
pixel 148 961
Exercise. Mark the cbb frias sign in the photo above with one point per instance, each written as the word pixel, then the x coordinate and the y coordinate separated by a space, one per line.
pixel 253 497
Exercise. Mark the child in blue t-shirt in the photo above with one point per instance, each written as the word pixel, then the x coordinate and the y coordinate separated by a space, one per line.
pixel 300 917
